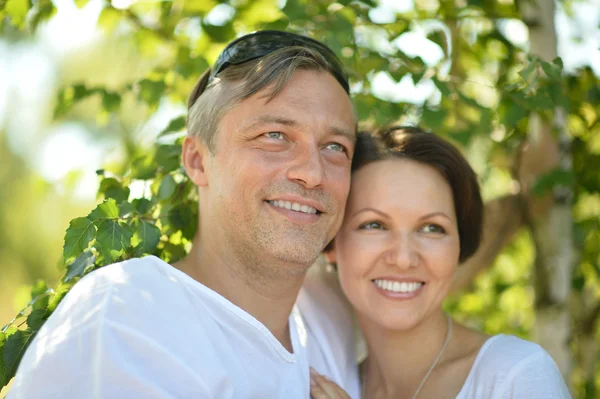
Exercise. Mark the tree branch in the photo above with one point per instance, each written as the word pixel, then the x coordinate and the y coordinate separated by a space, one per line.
pixel 502 218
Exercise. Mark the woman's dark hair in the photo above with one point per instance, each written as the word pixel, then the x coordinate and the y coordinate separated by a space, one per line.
pixel 413 143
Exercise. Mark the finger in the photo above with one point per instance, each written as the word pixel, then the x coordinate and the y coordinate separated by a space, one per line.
pixel 316 390
pixel 330 388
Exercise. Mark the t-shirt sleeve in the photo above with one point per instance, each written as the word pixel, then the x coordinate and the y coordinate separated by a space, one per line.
pixel 96 345
pixel 535 377
pixel 103 361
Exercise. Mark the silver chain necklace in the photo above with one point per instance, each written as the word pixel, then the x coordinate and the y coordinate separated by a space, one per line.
pixel 435 362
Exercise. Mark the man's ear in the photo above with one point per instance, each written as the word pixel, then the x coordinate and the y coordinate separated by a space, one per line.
pixel 194 156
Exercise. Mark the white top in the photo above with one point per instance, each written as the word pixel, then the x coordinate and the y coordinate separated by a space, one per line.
pixel 508 367
pixel 143 329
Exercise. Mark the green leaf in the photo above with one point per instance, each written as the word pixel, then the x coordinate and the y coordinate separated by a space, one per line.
pixel 143 205
pixel 175 125
pixel 126 209
pixel 79 234
pixel 151 91
pixel 220 33
pixel 111 101
pixel 551 70
pixel 148 237
pixel 143 168
pixel 112 188
pixel 527 72
pixel 14 348
pixel 109 19
pixel 195 7
pixel 36 319
pixel 180 216
pixel 56 299
pixel 17 10
pixel 556 177
pixel 40 287
pixel 3 378
pixel 79 265
pixel 167 188
pixel 113 238
pixel 108 209
pixel 168 157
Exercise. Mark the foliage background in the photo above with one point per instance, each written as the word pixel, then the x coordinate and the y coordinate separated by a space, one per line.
pixel 114 100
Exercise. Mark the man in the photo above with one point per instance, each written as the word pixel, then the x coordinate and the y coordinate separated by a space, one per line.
pixel 271 136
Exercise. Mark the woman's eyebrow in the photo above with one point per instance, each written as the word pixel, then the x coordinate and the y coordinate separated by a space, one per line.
pixel 370 210
pixel 432 214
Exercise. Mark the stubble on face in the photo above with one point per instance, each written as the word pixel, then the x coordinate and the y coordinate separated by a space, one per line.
pixel 282 240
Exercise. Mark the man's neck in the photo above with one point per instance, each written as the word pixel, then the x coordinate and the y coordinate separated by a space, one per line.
pixel 269 297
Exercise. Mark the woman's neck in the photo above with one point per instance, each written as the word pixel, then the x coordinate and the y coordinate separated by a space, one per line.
pixel 399 360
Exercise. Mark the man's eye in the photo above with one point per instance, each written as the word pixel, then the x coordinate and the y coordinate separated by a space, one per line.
pixel 433 228
pixel 274 135
pixel 337 147
pixel 371 226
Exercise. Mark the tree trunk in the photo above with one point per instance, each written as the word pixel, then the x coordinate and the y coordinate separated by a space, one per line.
pixel 549 217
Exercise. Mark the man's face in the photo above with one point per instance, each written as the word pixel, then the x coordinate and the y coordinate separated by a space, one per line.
pixel 293 151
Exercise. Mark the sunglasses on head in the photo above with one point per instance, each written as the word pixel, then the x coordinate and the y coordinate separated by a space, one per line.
pixel 259 44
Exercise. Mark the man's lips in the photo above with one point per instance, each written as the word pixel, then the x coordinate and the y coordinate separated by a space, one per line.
pixel 297 203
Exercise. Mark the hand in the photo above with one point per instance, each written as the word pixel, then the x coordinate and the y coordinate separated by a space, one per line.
pixel 322 387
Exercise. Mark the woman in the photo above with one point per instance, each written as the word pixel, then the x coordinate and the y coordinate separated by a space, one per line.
pixel 414 213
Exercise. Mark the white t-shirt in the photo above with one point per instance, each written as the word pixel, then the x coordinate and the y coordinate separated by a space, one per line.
pixel 143 329
pixel 508 367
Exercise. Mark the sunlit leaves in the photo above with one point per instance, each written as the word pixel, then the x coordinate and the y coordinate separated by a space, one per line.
pixel 112 188
pixel 13 350
pixel 16 10
pixel 79 265
pixel 175 125
pixel 79 234
pixel 167 188
pixel 106 210
pixel 147 237
pixel 36 319
pixel 113 237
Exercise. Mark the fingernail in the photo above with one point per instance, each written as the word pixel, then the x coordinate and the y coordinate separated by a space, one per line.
pixel 313 372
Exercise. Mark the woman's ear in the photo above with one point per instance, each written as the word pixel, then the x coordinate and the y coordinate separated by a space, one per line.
pixel 329 253
pixel 194 156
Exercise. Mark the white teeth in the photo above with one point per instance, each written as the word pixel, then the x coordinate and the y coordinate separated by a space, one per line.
pixel 396 286
pixel 294 206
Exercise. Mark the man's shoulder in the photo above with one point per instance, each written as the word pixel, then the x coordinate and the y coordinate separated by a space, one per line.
pixel 137 293
pixel 129 277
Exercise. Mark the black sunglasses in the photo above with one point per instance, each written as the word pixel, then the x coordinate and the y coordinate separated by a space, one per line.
pixel 258 44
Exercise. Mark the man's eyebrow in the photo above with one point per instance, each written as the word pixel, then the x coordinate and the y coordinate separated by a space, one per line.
pixel 263 119
pixel 350 135
pixel 280 120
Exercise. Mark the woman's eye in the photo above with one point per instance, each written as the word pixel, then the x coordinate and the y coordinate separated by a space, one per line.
pixel 274 135
pixel 371 226
pixel 433 228
pixel 337 147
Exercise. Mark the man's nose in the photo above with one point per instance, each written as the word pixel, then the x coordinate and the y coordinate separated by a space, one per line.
pixel 307 167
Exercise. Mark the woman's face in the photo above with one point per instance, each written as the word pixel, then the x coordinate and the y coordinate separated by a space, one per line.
pixel 398 247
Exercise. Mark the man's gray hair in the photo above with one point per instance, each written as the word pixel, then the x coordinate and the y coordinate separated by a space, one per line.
pixel 238 82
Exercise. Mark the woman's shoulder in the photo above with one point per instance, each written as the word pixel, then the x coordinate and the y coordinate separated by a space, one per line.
pixel 508 365
pixel 511 349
